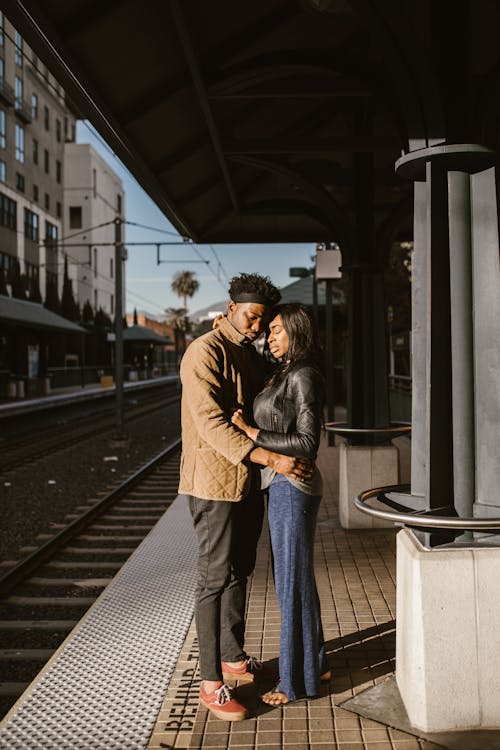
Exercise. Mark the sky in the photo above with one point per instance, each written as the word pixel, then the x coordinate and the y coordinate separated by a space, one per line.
pixel 148 284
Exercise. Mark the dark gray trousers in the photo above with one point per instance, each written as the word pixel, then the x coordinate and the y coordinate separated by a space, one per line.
pixel 227 535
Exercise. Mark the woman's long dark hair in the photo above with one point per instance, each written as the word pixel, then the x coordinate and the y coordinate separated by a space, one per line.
pixel 303 347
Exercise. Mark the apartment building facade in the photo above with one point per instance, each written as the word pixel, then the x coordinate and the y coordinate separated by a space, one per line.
pixel 35 124
pixel 93 199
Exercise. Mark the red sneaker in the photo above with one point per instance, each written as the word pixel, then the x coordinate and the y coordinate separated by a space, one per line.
pixel 222 704
pixel 247 671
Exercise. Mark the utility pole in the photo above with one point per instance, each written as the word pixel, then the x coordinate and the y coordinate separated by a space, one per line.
pixel 120 432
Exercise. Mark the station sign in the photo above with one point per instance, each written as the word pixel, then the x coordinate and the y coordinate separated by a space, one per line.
pixel 328 263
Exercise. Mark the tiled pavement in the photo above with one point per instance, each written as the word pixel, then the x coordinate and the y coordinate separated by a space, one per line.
pixel 355 572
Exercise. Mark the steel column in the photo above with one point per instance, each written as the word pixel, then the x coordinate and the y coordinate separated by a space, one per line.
pixel 120 432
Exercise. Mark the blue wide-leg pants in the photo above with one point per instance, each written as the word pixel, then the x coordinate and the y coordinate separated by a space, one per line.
pixel 292 524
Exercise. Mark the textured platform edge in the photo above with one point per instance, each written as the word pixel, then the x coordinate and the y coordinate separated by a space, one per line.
pixel 104 686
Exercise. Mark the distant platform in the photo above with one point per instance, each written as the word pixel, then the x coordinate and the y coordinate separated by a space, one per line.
pixel 62 396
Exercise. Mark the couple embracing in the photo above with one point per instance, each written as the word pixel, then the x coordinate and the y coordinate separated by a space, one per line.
pixel 251 428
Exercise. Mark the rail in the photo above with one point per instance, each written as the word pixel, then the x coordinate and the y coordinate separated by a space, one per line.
pixel 418 519
pixel 395 429
pixel 23 569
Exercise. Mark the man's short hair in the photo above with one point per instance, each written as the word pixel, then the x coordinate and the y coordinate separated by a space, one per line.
pixel 252 287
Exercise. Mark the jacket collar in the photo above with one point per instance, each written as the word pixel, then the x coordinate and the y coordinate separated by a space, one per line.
pixel 231 333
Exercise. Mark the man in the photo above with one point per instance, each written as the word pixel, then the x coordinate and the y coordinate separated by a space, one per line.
pixel 220 372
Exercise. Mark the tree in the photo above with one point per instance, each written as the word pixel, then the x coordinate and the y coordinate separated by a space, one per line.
pixel 34 289
pixel 3 284
pixel 17 282
pixel 178 320
pixel 69 307
pixel 185 284
pixel 87 317
pixel 200 328
pixel 51 295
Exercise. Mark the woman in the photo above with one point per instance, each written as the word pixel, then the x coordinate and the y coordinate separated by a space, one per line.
pixel 288 414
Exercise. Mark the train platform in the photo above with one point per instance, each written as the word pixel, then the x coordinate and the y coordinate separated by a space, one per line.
pixel 127 676
pixel 76 393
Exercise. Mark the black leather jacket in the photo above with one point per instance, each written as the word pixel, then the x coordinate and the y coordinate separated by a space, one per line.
pixel 289 415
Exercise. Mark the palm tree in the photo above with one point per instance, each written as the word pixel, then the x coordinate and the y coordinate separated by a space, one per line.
pixel 176 318
pixel 185 284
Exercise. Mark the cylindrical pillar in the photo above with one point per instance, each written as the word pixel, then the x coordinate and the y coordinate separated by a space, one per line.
pixel 462 345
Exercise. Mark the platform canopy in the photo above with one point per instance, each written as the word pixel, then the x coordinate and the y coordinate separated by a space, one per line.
pixel 143 335
pixel 16 312
pixel 241 119
pixel 249 121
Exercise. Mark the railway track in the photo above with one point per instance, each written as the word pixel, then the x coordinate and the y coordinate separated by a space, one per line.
pixel 43 596
pixel 16 453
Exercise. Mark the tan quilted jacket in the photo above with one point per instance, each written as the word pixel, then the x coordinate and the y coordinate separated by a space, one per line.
pixel 219 373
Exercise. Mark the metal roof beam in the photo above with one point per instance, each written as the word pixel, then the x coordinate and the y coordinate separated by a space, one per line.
pixel 194 69
pixel 311 146
pixel 353 94
pixel 213 60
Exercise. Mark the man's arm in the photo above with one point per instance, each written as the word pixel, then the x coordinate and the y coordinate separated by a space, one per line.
pixel 201 376
pixel 296 468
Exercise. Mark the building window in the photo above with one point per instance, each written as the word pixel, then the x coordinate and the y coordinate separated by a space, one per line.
pixel 34 107
pixel 47 202
pixel 8 212
pixel 50 234
pixel 95 300
pixel 46 117
pixel 119 203
pixel 20 182
pixel 46 162
pixel 95 262
pixel 35 151
pixel 58 131
pixel 1 29
pixel 19 144
pixel 75 217
pixel 112 303
pixel 65 128
pixel 94 182
pixel 35 193
pixel 30 225
pixel 58 172
pixel 18 48
pixel 7 263
pixel 31 271
pixel 3 171
pixel 3 139
pixel 58 210
pixel 111 269
pixel 2 69
pixel 18 89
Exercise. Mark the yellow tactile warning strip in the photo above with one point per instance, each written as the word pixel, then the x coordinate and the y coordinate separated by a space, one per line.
pixel 356 582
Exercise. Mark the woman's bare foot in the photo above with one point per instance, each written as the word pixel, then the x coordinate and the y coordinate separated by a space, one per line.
pixel 275 698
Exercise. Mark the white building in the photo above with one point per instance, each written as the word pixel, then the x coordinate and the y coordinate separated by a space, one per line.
pixel 93 199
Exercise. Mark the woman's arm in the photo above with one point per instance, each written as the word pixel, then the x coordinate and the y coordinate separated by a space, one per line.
pixel 239 421
pixel 306 390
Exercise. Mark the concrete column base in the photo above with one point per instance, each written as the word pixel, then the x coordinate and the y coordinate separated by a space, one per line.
pixel 361 468
pixel 447 637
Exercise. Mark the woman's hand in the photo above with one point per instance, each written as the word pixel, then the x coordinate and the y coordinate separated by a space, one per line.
pixel 238 420
pixel 217 321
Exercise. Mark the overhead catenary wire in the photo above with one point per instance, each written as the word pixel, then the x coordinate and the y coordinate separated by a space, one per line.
pixel 60 93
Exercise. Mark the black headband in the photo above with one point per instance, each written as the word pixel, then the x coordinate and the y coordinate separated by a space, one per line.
pixel 258 299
